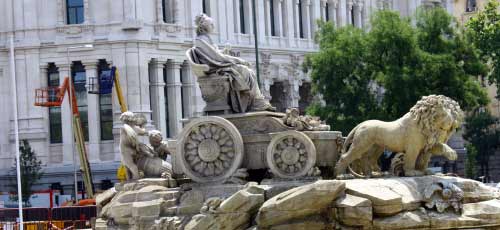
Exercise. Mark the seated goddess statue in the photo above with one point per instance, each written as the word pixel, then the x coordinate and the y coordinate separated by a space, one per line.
pixel 244 93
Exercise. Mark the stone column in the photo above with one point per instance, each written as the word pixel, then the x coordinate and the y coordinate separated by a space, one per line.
pixel 358 19
pixel 296 9
pixel 349 11
pixel 323 10
pixel 306 20
pixel 280 19
pixel 332 11
pixel 66 119
pixel 60 12
pixel 187 90
pixel 341 13
pixel 86 12
pixel 237 17
pixel 93 115
pixel 158 95
pixel 159 11
pixel 293 96
pixel 174 97
pixel 268 17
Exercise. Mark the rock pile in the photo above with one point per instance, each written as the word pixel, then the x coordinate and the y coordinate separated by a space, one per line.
pixel 390 203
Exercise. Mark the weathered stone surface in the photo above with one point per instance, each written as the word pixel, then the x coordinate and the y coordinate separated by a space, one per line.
pixel 451 220
pixel 489 210
pixel 103 198
pixel 273 187
pixel 153 188
pixel 405 220
pixel 100 224
pixel 384 200
pixel 200 222
pixel 353 211
pixel 141 183
pixel 169 195
pixel 190 202
pixel 146 208
pixel 243 201
pixel 309 223
pixel 299 202
pixel 120 213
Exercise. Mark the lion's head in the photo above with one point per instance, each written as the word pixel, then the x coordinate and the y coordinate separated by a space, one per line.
pixel 437 116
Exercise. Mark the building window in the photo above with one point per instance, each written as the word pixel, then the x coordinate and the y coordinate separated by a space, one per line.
pixel 105 105
pixel 206 7
pixel 79 81
pixel 271 13
pixel 301 21
pixel 168 11
pixel 74 11
pixel 242 17
pixel 165 94
pixel 55 127
pixel 471 6
pixel 327 12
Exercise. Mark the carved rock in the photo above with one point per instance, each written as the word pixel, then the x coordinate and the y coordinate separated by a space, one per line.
pixel 299 202
pixel 405 220
pixel 353 211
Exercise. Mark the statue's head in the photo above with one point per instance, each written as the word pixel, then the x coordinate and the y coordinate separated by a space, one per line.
pixel 128 118
pixel 155 138
pixel 204 24
pixel 140 119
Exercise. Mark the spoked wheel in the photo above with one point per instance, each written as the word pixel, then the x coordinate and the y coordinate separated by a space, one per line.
pixel 210 149
pixel 291 154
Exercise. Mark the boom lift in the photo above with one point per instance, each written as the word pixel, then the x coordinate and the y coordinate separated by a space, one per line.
pixel 54 96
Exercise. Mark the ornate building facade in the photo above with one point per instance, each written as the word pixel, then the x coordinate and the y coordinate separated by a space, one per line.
pixel 146 40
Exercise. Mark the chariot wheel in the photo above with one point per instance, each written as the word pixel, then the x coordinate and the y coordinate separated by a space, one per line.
pixel 210 149
pixel 291 154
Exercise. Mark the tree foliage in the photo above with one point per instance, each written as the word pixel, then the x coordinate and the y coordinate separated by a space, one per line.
pixel 31 171
pixel 381 73
pixel 481 131
pixel 471 162
pixel 484 29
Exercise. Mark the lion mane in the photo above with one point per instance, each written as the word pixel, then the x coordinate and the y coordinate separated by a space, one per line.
pixel 429 110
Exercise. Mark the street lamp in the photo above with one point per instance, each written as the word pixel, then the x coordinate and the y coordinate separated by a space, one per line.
pixel 71 108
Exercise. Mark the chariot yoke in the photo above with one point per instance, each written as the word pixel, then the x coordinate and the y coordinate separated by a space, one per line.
pixel 213 147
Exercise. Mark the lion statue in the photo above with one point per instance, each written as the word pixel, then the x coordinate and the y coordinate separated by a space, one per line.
pixel 419 134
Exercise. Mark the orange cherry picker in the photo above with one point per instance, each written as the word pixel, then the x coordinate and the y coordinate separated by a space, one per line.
pixel 54 96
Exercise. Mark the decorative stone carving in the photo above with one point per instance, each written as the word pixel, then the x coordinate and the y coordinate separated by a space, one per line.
pixel 210 149
pixel 303 123
pixel 75 29
pixel 209 63
pixel 419 134
pixel 444 195
pixel 291 154
pixel 138 158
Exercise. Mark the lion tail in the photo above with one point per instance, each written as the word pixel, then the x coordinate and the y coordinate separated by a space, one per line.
pixel 345 148
pixel 349 138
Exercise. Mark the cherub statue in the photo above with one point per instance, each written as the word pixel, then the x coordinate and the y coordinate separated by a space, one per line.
pixel 292 118
pixel 130 146
pixel 245 94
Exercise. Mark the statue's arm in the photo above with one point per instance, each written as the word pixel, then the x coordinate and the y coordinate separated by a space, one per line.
pixel 216 54
pixel 139 130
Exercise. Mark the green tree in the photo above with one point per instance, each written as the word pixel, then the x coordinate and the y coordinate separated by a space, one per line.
pixel 338 72
pixel 403 61
pixel 31 171
pixel 484 29
pixel 471 162
pixel 482 132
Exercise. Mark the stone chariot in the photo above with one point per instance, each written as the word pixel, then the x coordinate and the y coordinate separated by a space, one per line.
pixel 213 147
